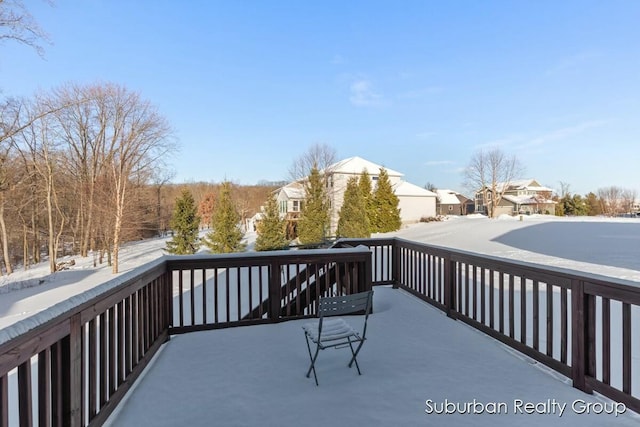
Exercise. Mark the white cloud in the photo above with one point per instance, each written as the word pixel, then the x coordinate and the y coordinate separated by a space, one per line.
pixel 564 133
pixel 363 95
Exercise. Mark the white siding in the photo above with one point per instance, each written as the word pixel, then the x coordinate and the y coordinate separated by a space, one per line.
pixel 412 208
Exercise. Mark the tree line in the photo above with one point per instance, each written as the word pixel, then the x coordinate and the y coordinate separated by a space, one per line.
pixel 75 165
pixel 364 211
pixel 608 201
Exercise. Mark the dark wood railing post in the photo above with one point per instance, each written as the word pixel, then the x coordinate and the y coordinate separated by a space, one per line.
pixel 579 335
pixel 395 263
pixel 450 286
pixel 274 291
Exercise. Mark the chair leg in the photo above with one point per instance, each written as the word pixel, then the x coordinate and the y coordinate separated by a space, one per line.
pixel 313 360
pixel 354 355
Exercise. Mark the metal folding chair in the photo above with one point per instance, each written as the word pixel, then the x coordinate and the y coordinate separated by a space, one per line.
pixel 336 333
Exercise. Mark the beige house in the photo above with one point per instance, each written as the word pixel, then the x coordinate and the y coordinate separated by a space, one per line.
pixel 414 202
pixel 524 196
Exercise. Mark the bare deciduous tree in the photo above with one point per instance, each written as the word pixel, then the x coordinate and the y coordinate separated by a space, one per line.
pixel 628 197
pixel 138 139
pixel 490 173
pixel 610 199
pixel 17 24
pixel 319 155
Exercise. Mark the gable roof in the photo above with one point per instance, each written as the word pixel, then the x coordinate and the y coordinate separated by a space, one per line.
pixel 355 165
pixel 404 188
pixel 522 184
pixel 295 190
pixel 448 197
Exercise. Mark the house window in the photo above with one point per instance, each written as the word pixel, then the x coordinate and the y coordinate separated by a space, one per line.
pixel 296 206
pixel 374 178
pixel 450 208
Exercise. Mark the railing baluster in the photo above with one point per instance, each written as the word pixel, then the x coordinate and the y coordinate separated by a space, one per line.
pixel 4 401
pixel 92 369
pixel 536 316
pixel 606 340
pixel 523 310
pixel 626 348
pixel 25 410
pixel 44 388
pixel 501 302
pixel 550 313
pixel 511 307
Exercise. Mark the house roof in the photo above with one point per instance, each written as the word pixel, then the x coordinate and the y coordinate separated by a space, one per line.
pixel 404 188
pixel 522 184
pixel 295 190
pixel 526 200
pixel 355 165
pixel 448 197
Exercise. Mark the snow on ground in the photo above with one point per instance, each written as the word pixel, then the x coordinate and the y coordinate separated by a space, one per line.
pixel 26 293
pixel 606 246
pixel 255 375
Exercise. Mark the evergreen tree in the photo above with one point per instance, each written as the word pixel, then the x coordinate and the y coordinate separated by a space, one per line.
pixel 365 190
pixel 226 235
pixel 385 202
pixel 353 220
pixel 592 204
pixel 184 223
pixel 314 217
pixel 271 230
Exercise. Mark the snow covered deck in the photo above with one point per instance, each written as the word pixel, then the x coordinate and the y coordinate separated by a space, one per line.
pixel 415 360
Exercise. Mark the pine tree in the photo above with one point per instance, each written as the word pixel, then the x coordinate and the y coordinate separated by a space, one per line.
pixel 314 217
pixel 271 229
pixel 365 190
pixel 184 223
pixel 353 220
pixel 226 235
pixel 387 216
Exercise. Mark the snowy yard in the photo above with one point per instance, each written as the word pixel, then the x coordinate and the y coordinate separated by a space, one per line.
pixel 242 376
pixel 610 247
pixel 255 375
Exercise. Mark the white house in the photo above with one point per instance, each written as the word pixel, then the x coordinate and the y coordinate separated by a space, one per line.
pixel 414 202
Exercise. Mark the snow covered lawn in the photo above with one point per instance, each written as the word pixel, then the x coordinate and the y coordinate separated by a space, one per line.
pixel 255 375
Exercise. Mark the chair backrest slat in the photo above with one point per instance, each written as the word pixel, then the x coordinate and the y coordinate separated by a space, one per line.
pixel 336 306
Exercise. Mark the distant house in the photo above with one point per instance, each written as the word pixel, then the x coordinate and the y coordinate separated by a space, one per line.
pixel 290 199
pixel 414 202
pixel 450 202
pixel 525 196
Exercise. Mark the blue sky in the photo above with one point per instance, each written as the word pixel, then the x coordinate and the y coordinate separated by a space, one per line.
pixel 417 86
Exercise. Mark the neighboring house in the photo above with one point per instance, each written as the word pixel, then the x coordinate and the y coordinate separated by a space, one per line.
pixel 450 202
pixel 415 202
pixel 290 199
pixel 525 196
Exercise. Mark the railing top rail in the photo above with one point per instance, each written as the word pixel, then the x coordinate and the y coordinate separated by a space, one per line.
pixel 265 258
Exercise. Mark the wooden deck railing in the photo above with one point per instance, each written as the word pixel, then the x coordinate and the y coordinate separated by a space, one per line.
pixel 75 367
pixel 578 324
